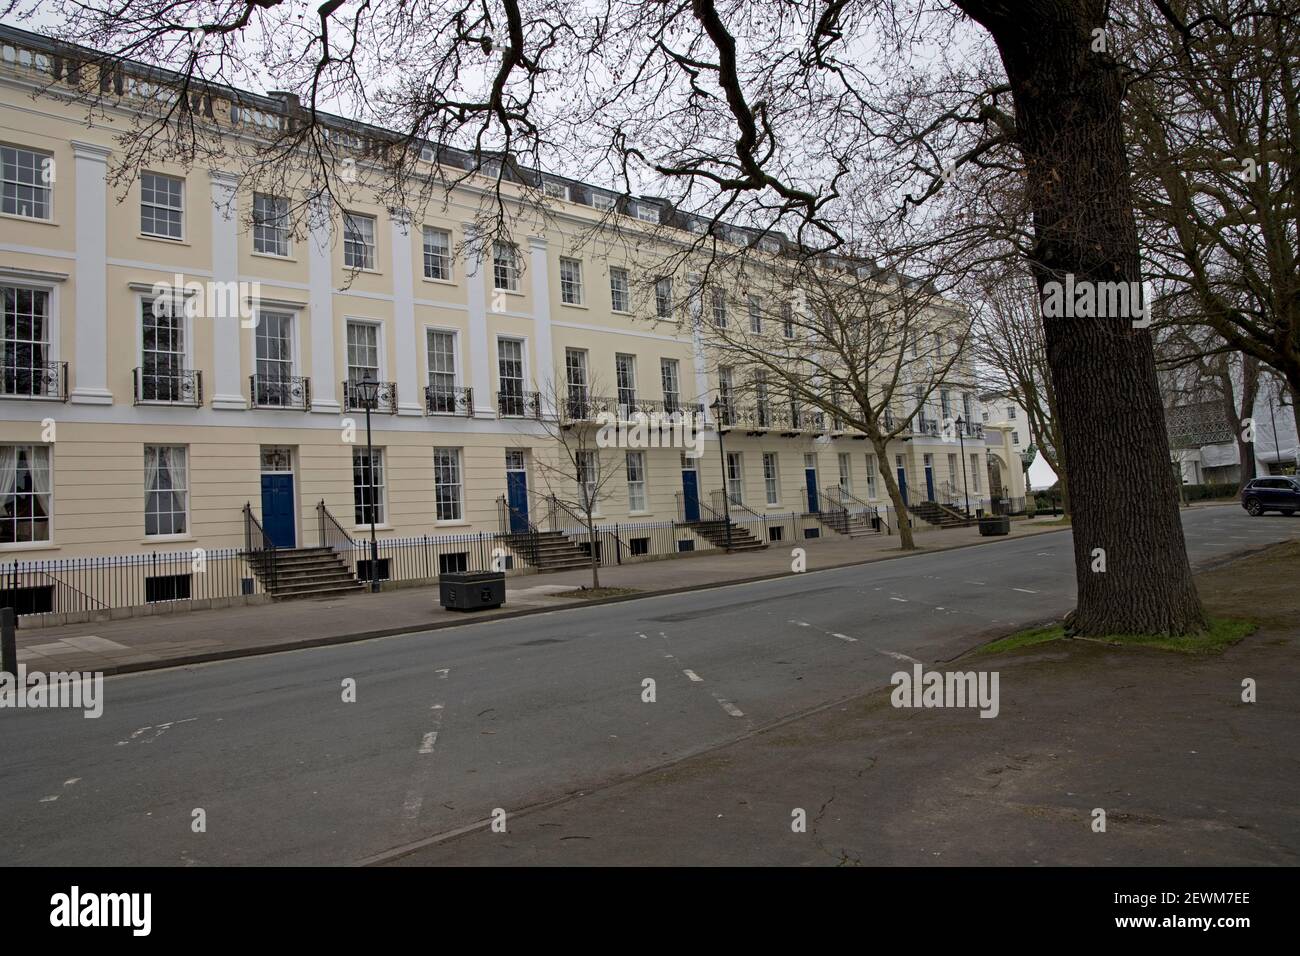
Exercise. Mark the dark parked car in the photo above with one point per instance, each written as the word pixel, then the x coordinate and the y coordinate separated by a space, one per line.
pixel 1271 494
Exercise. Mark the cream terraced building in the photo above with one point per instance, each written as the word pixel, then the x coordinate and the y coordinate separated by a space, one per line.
pixel 128 427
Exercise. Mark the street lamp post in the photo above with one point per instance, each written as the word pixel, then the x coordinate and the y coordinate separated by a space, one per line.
pixel 961 440
pixel 718 406
pixel 368 392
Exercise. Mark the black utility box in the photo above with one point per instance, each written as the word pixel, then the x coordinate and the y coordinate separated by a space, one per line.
pixel 472 590
pixel 999 524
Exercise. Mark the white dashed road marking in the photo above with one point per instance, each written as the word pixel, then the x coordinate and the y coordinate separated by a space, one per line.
pixel 692 675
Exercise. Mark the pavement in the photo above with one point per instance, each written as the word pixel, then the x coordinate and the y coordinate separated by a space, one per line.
pixel 171 639
pixel 764 698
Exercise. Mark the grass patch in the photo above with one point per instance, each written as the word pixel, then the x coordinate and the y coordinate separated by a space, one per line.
pixel 1222 633
pixel 1035 635
pixel 591 594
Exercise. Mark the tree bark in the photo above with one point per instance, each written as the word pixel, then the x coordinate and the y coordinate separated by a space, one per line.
pixel 1069 128
pixel 903 516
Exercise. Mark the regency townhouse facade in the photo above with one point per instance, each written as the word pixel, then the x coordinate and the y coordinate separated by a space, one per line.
pixel 134 419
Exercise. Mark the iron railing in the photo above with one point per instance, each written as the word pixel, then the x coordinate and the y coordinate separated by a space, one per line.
pixel 385 397
pixel 75 585
pixel 332 535
pixel 181 386
pixel 290 391
pixel 519 404
pixel 259 548
pixel 444 400
pixel 20 378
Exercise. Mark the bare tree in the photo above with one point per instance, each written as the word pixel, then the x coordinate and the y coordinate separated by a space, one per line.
pixel 844 342
pixel 1012 357
pixel 1212 117
pixel 809 119
pixel 578 472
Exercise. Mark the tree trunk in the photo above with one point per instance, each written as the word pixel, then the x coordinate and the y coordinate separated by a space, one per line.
pixel 901 513
pixel 1069 129
pixel 1243 410
pixel 595 559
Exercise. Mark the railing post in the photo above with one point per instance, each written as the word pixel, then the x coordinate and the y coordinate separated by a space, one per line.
pixel 8 641
pixel 618 545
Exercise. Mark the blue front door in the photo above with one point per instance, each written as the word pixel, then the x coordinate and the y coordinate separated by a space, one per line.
pixel 690 495
pixel 929 483
pixel 517 495
pixel 810 477
pixel 902 484
pixel 277 509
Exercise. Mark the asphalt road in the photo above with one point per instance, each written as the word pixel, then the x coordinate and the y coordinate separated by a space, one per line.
pixel 450 725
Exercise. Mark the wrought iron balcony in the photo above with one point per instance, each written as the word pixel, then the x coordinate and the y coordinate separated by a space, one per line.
pixel 288 391
pixel 385 397
pixel 168 386
pixel 519 404
pixel 448 400
pixel 21 378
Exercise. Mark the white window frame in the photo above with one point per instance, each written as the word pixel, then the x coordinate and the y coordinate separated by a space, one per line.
pixel 185 491
pixel 42 160
pixel 755 305
pixel 381 487
pixel 523 369
pixel 456 515
pixel 571 291
pixel 620 290
pixel 48 540
pixel 625 361
pixel 51 343
pixel 445 257
pixel 505 267
pixel 277 228
pixel 637 489
pixel 664 297
pixel 734 485
pixel 718 308
pixel 368 245
pixel 429 372
pixel 180 209
pixel 377 326
pixel 772 479
pixel 845 461
pixel 145 301
pixel 294 315
pixel 672 398
pixel 872 471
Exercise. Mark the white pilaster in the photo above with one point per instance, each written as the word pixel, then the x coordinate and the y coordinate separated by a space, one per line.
pixel 409 393
pixel 542 349
pixel 700 360
pixel 91 291
pixel 480 352
pixel 227 384
pixel 320 298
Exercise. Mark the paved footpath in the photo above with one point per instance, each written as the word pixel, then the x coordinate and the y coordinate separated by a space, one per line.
pixel 164 639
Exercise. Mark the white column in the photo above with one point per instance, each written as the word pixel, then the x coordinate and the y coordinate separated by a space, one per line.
pixel 543 355
pixel 480 351
pixel 697 344
pixel 91 282
pixel 227 385
pixel 409 394
pixel 320 298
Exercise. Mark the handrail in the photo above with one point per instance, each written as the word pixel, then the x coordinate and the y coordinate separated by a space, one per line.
pixel 734 504
pixel 505 510
pixel 254 533
pixel 839 494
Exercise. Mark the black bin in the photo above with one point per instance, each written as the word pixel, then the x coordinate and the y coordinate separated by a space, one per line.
pixel 472 590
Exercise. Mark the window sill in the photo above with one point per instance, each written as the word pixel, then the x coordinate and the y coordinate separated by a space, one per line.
pixel 447 282
pixel 29 546
pixel 165 239
pixel 272 256
pixel 17 218
pixel 459 523
pixel 642 513
pixel 167 538
pixel 574 305
pixel 362 271
pixel 508 291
